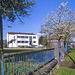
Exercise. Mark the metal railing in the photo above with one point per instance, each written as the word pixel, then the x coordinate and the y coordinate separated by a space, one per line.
pixel 25 62
pixel 67 47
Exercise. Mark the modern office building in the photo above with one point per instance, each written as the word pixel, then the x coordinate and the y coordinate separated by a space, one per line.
pixel 22 39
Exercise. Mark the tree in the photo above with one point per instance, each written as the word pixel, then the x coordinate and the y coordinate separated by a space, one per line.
pixel 41 40
pixel 11 9
pixel 60 23
pixel 45 41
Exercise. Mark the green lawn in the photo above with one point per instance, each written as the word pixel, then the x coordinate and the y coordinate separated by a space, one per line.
pixel 64 71
pixel 66 68
pixel 6 51
pixel 72 54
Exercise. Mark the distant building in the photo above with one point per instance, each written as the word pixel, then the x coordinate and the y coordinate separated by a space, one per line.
pixel 22 39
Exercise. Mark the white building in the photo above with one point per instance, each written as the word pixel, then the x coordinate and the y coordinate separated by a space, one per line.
pixel 22 39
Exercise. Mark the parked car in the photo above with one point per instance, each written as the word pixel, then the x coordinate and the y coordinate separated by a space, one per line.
pixel 74 46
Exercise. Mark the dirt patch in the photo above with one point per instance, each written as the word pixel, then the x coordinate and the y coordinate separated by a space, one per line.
pixel 54 73
pixel 68 64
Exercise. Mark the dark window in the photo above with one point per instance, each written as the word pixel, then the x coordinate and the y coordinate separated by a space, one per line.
pixel 25 36
pixel 34 37
pixel 18 41
pixel 22 36
pixel 18 36
pixel 34 41
pixel 10 41
pixel 26 41
pixel 22 41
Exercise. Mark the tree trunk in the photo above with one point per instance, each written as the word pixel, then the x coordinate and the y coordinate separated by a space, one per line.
pixel 1 36
pixel 1 41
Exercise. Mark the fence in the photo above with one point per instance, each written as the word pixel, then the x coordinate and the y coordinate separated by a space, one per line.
pixel 26 62
pixel 67 47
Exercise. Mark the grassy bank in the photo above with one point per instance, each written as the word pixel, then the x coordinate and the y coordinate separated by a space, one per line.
pixel 68 66
pixel 64 71
pixel 71 54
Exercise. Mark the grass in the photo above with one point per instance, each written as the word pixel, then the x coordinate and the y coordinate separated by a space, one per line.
pixel 64 71
pixel 72 54
pixel 67 67
pixel 7 51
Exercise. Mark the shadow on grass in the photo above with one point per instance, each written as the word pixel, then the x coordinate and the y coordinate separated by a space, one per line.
pixel 71 59
pixel 72 50
pixel 15 51
pixel 67 64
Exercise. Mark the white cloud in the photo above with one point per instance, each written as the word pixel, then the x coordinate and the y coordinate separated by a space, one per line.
pixel 40 34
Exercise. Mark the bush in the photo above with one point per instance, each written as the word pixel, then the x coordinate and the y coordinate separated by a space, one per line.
pixel 27 46
pixel 22 47
pixel 48 47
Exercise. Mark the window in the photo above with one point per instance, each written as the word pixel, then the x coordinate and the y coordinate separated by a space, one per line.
pixel 10 41
pixel 18 36
pixel 22 36
pixel 22 41
pixel 34 41
pixel 34 37
pixel 26 41
pixel 18 41
pixel 25 36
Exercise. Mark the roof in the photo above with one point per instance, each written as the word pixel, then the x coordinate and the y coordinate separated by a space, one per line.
pixel 21 33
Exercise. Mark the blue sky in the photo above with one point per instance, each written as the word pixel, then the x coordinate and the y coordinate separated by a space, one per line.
pixel 32 23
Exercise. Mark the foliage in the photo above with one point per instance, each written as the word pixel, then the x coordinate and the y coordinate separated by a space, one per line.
pixel 41 40
pixel 27 46
pixel 15 8
pixel 11 9
pixel 47 47
pixel 60 23
pixel 22 47
pixel 64 71
pixel 45 41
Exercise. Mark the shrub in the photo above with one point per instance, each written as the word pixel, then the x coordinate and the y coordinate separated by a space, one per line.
pixel 47 47
pixel 27 46
pixel 22 47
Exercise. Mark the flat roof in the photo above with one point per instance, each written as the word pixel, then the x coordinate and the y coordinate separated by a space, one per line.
pixel 21 33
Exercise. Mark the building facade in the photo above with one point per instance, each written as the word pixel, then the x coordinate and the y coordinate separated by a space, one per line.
pixel 22 39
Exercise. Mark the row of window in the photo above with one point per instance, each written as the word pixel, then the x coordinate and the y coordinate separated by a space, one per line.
pixel 25 41
pixel 24 37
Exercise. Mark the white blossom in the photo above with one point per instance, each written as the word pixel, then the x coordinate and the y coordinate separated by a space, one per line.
pixel 60 23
